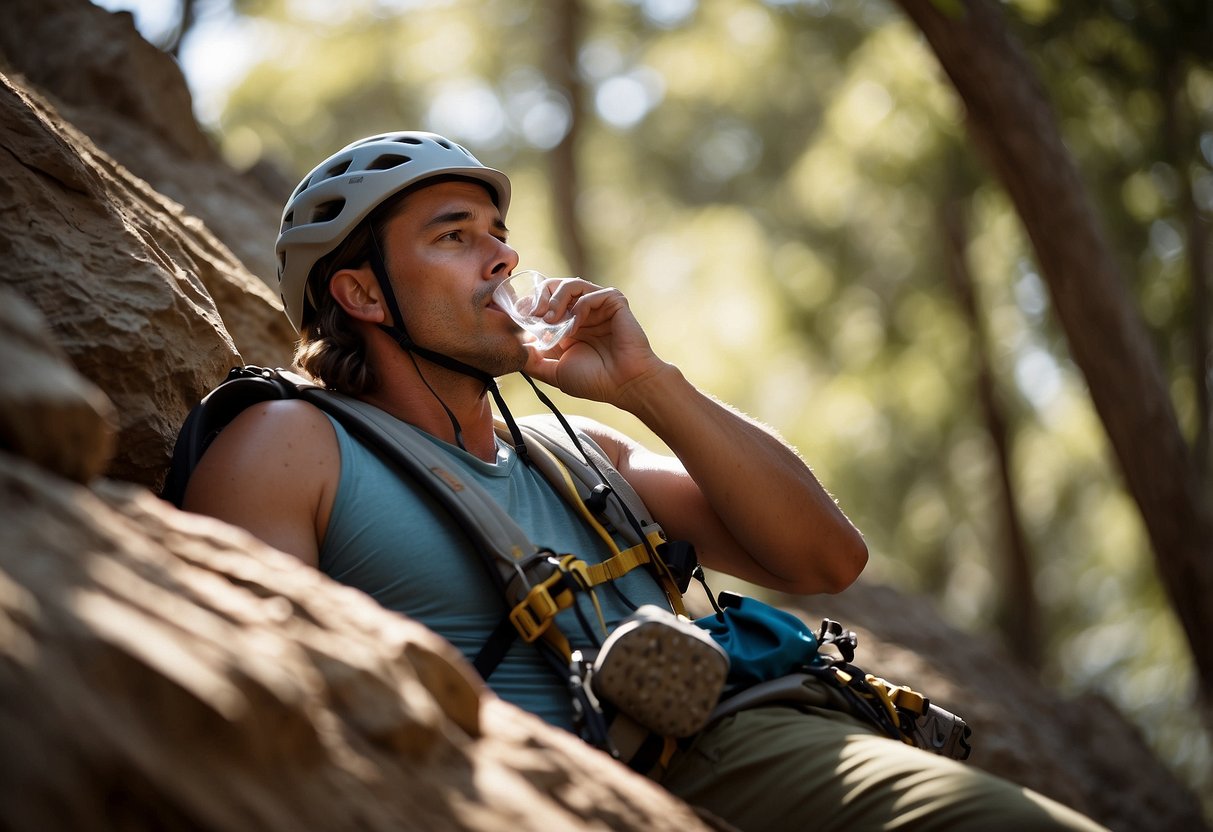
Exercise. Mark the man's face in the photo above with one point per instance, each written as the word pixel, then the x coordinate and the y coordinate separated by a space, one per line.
pixel 446 251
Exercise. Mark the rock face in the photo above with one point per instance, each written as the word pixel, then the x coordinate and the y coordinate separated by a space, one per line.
pixel 160 670
pixel 132 101
pixel 144 300
pixel 39 388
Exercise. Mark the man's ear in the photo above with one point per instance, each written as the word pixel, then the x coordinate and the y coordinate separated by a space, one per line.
pixel 357 292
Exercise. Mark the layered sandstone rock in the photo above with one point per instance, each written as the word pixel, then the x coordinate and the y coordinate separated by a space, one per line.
pixel 144 300
pixel 131 101
pixel 38 389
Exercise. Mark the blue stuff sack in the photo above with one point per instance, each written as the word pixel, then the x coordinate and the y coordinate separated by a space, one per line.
pixel 763 642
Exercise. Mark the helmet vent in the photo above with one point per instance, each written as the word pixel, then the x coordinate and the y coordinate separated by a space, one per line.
pixel 326 211
pixel 407 140
pixel 288 221
pixel 337 169
pixel 389 161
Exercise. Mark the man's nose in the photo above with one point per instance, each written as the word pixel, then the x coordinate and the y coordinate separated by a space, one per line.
pixel 504 261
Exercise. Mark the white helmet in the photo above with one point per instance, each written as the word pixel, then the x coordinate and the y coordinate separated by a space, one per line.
pixel 343 189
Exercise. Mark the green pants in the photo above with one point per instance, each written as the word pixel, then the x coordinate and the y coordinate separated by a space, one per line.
pixel 778 768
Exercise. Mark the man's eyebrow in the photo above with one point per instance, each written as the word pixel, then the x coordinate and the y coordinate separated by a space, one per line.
pixel 461 216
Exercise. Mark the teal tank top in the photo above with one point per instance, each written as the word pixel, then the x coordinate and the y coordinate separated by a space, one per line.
pixel 389 538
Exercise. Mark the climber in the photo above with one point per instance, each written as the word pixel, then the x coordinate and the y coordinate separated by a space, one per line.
pixel 388 254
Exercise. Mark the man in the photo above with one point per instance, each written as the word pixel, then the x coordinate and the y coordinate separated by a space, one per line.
pixel 389 253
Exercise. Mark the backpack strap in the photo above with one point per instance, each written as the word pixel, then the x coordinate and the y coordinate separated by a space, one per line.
pixel 581 473
pixel 594 480
pixel 589 477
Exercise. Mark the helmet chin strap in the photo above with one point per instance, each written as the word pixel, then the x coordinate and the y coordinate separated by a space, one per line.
pixel 400 335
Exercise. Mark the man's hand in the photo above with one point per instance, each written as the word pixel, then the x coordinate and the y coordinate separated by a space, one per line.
pixel 605 354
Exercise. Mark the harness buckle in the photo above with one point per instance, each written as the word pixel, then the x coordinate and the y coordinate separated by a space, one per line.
pixel 535 613
pixel 532 616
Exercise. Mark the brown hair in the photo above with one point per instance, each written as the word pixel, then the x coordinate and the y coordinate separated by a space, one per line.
pixel 331 348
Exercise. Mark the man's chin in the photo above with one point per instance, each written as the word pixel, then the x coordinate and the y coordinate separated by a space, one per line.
pixel 503 362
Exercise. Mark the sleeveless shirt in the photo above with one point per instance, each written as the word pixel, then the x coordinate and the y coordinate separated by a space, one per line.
pixel 389 538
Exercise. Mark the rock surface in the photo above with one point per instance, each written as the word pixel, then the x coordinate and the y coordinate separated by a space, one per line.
pixel 144 300
pixel 160 670
pixel 38 388
pixel 131 100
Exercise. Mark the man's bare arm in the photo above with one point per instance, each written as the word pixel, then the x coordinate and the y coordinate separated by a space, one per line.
pixel 272 471
pixel 745 499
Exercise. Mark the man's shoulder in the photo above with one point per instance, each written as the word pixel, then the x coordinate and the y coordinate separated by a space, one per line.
pixel 281 414
pixel 272 470
pixel 601 432
pixel 278 426
pixel 612 442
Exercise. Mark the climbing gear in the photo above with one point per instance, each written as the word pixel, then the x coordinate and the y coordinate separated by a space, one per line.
pixel 345 188
pixel 775 659
pixel 536 583
pixel 761 641
pixel 657 677
pixel 663 671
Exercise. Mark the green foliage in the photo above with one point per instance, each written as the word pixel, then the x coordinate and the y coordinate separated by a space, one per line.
pixel 950 8
pixel 764 179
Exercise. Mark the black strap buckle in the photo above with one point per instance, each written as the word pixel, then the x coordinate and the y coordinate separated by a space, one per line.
pixel 597 500
pixel 843 640
pixel 680 559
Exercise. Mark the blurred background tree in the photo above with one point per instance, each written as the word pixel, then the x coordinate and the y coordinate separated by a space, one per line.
pixel 788 192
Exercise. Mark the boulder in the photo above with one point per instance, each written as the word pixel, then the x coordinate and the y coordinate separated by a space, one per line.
pixel 147 303
pixel 159 670
pixel 131 100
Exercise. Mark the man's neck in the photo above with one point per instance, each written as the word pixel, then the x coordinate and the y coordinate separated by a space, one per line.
pixel 404 394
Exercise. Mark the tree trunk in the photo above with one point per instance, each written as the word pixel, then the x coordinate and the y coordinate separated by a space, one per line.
pixel 1178 136
pixel 1018 616
pixel 1011 120
pixel 562 72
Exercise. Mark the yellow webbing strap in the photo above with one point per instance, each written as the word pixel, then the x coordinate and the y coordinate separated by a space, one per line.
pixel 532 616
pixel 886 693
pixel 621 562
pixel 617 566
pixel 667 753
